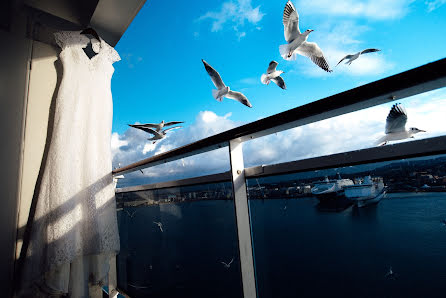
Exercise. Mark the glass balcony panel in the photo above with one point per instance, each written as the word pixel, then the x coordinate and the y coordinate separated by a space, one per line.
pixel 208 163
pixel 305 247
pixel 352 131
pixel 175 241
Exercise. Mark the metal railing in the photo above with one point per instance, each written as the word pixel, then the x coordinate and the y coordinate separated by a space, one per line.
pixel 416 81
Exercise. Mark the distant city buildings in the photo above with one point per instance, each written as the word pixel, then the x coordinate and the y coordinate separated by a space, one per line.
pixel 401 176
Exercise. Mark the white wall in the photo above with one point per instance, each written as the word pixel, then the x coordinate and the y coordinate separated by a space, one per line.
pixel 42 87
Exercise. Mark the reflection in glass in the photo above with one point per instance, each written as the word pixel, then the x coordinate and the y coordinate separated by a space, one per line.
pixel 179 242
pixel 392 248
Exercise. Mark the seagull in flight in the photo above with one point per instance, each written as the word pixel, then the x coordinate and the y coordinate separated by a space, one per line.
pixel 130 214
pixel 353 57
pixel 137 287
pixel 443 221
pixel 297 41
pixel 157 135
pixel 390 274
pixel 222 89
pixel 160 225
pixel 157 126
pixel 228 264
pixel 273 75
pixel 396 126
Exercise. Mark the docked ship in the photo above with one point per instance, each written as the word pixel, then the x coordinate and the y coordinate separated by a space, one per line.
pixel 328 190
pixel 366 191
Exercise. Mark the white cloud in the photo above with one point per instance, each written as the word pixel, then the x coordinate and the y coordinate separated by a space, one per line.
pixel 234 13
pixel 131 60
pixel 341 39
pixel 340 36
pixel 433 5
pixel 117 143
pixel 133 146
pixel 371 9
pixel 250 81
pixel 240 35
pixel 366 65
pixel 348 132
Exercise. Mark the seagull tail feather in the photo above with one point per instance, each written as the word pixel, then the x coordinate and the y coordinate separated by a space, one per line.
pixel 264 79
pixel 284 50
pixel 215 95
pixel 381 141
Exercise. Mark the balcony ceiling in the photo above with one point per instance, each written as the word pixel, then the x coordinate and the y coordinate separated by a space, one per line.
pixel 110 18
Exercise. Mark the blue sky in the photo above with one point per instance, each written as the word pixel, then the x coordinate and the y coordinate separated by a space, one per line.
pixel 161 76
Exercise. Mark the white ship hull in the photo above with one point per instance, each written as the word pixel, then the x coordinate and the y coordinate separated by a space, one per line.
pixel 371 191
pixel 369 201
pixel 330 189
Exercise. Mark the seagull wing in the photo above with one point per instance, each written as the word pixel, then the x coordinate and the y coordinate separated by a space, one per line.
pixel 290 22
pixel 239 97
pixel 153 132
pixel 314 52
pixel 215 76
pixel 279 82
pixel 396 120
pixel 144 125
pixel 146 129
pixel 137 287
pixel 172 123
pixel 166 130
pixel 369 51
pixel 272 67
pixel 232 260
pixel 346 57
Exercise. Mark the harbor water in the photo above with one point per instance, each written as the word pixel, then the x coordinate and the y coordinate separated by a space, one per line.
pixel 300 250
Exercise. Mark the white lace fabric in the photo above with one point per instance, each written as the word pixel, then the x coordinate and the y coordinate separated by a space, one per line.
pixel 76 209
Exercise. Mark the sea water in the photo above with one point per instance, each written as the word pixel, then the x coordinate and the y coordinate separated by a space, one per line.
pixel 300 250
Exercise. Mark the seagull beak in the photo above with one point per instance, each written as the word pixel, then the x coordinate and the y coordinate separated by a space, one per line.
pixel 421 130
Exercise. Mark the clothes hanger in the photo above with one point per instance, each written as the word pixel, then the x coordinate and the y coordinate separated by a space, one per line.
pixel 92 32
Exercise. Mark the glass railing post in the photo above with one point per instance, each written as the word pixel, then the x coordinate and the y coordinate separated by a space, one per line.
pixel 242 216
pixel 112 279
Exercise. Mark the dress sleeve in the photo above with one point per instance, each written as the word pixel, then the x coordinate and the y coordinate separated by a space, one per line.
pixel 111 53
pixel 70 38
pixel 114 56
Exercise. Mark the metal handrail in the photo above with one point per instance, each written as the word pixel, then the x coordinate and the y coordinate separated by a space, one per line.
pixel 415 81
pixel 214 178
pixel 412 149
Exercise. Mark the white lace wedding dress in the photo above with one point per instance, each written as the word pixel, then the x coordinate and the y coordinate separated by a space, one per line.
pixel 75 231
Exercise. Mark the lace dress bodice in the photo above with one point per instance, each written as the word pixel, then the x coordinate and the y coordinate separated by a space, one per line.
pixel 76 210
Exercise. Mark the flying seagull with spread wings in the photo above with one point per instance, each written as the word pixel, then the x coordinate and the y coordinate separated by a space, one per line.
pixel 157 126
pixel 273 75
pixel 390 274
pixel 157 135
pixel 227 265
pixel 160 225
pixel 353 57
pixel 396 126
pixel 222 89
pixel 297 41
